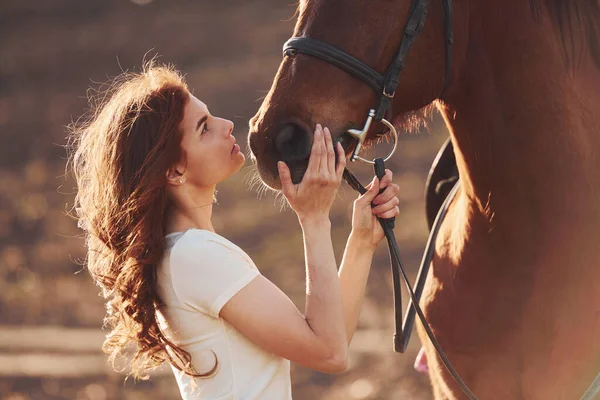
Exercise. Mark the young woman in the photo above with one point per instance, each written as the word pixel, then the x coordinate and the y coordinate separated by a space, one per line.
pixel 147 162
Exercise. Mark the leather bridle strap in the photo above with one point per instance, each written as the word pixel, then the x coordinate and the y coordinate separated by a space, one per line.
pixel 384 85
pixel 413 28
pixel 334 56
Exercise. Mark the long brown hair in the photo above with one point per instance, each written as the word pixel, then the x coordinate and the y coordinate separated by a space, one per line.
pixel 120 153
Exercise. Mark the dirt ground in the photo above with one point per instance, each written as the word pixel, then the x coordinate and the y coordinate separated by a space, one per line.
pixel 50 311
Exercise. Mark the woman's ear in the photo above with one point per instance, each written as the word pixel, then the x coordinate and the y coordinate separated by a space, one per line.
pixel 174 177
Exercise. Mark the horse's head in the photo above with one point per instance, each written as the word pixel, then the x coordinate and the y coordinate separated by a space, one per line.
pixel 308 90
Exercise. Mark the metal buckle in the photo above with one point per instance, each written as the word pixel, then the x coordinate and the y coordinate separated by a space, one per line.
pixel 360 135
pixel 389 96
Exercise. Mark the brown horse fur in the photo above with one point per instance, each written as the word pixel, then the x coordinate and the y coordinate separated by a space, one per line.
pixel 513 293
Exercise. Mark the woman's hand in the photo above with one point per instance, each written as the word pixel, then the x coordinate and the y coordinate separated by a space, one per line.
pixel 312 198
pixel 365 226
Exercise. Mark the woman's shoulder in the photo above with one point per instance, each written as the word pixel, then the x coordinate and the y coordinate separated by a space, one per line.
pixel 197 237
pixel 201 241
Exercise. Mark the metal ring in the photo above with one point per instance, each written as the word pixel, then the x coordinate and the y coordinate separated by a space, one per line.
pixel 394 132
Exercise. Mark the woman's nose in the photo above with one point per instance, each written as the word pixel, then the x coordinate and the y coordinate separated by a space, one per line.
pixel 230 126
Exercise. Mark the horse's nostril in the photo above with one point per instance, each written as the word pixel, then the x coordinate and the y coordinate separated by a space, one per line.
pixel 293 142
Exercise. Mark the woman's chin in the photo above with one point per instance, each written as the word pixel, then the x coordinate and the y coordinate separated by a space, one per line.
pixel 240 160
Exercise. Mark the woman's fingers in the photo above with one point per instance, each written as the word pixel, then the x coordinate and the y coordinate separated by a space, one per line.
pixel 322 159
pixel 285 177
pixel 316 152
pixel 322 172
pixel 339 171
pixel 372 189
pixel 385 207
pixel 394 212
pixel 330 152
pixel 390 191
pixel 387 179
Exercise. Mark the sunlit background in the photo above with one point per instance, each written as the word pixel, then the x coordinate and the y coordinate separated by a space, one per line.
pixel 51 52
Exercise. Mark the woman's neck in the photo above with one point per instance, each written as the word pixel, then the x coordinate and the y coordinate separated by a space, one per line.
pixel 193 209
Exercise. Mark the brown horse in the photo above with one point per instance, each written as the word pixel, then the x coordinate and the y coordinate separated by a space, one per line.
pixel 513 292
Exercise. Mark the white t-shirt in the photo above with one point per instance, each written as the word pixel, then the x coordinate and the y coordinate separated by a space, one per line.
pixel 200 272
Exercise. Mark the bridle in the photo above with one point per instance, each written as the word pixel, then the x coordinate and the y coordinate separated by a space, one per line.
pixel 385 86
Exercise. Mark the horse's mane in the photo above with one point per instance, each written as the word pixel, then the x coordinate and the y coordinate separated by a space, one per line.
pixel 578 22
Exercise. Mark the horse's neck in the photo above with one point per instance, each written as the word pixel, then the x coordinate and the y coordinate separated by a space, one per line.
pixel 526 134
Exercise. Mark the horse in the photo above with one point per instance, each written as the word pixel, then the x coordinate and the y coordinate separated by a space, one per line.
pixel 512 291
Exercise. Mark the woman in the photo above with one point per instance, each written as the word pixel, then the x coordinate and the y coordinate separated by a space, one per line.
pixel 147 162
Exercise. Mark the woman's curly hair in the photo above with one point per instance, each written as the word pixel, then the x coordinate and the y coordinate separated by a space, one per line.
pixel 120 153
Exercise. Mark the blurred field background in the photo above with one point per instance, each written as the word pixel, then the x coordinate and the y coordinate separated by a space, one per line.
pixel 51 314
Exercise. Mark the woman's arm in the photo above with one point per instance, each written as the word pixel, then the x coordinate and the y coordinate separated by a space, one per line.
pixel 267 317
pixel 366 234
pixel 353 275
pixel 264 314
pixel 324 307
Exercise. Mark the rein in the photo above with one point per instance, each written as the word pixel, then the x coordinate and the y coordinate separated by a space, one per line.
pixel 404 329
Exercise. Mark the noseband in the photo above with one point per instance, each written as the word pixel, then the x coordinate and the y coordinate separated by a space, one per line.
pixel 385 86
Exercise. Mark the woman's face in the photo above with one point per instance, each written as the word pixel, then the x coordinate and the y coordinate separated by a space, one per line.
pixel 211 152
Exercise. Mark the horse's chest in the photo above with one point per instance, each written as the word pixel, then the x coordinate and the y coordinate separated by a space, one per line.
pixel 509 330
pixel 477 300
